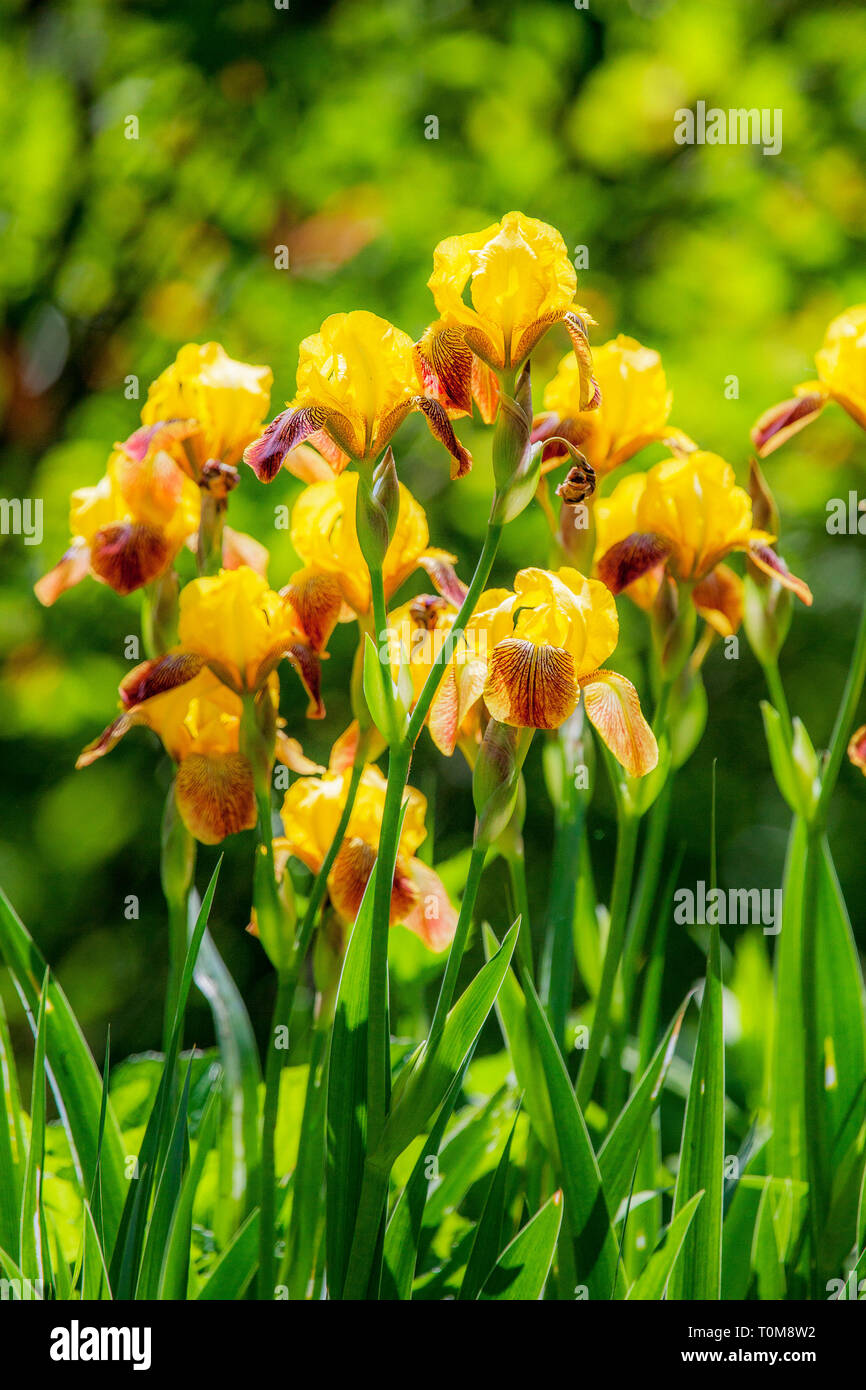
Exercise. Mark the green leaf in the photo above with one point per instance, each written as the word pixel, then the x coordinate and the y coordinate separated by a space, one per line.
pixel 618 1153
pixel 157 1135
pixel 12 1144
pixel 347 1096
pixel 174 1273
pixel 487 1244
pixel 434 1072
pixel 74 1076
pixel 519 1039
pixel 770 1241
pixel 654 1282
pixel 780 757
pixel 95 1283
pixel 841 1020
pixel 167 1194
pixel 787 1113
pixel 522 1269
pixel 231 1275
pixel 698 1272
pixel 239 1148
pixel 586 1212
pixel 31 1238
pixel 403 1232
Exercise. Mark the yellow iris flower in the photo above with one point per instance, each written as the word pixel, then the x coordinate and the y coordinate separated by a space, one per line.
pixel 841 364
pixel 128 529
pixel 684 516
pixel 634 411
pixel 358 378
pixel 199 725
pixel 533 651
pixel 325 535
pixel 225 402
pixel 416 632
pixel 311 814
pixel 520 281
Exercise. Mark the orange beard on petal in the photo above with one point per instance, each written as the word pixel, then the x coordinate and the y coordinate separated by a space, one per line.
pixel 529 686
pixel 215 795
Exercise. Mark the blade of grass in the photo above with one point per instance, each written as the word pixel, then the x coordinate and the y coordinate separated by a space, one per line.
pixel 521 1271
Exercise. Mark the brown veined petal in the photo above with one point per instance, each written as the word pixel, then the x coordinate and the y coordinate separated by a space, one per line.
pixel 767 560
pixel 349 876
pixel 630 559
pixel 157 675
pixel 719 600
pixel 443 430
pixel 445 364
pixel 266 454
pixel 317 599
pixel 127 554
pixel 443 717
pixel 787 418
pixel 530 686
pixel 240 549
pixel 69 571
pixel 307 665
pixel 613 708
pixel 857 748
pixel 431 915
pixel 215 795
pixel 440 567
pixel 108 738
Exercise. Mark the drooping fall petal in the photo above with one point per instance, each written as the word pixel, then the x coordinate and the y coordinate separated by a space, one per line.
pixel 767 560
pixel 215 795
pixel 630 559
pixel 781 421
pixel 613 708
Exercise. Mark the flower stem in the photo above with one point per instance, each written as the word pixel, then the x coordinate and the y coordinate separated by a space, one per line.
pixel 273 1070
pixel 778 697
pixel 458 946
pixel 845 717
pixel 626 845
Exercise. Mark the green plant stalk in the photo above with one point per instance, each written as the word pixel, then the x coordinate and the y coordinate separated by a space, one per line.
pixel 626 845
pixel 517 879
pixel 778 697
pixel 209 550
pixel 557 971
pixel 177 871
pixel 298 1262
pixel 458 946
pixel 380 630
pixel 273 1072
pixel 399 760
pixel 372 1204
pixel 844 719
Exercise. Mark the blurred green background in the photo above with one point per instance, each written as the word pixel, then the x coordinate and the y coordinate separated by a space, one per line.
pixel 305 127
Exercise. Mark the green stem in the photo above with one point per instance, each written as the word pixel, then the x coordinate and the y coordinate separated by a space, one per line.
pixel 778 697
pixel 378 1034
pixel 273 1071
pixel 210 533
pixel 458 946
pixel 626 845
pixel 844 719
pixel 558 960
pixel 647 887
pixel 517 878
pixel 816 1156
pixel 380 633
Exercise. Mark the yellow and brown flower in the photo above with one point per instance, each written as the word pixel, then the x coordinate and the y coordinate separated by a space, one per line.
pixel 198 722
pixel 520 281
pixel 325 535
pixel 358 378
pixel 682 519
pixel 841 363
pixel 311 814
pixel 634 410
pixel 221 401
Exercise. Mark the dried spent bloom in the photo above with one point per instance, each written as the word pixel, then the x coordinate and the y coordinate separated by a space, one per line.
pixel 634 410
pixel 684 517
pixel 223 401
pixel 324 532
pixel 199 725
pixel 311 814
pixel 531 653
pixel 127 530
pixel 358 378
pixel 841 363
pixel 520 281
